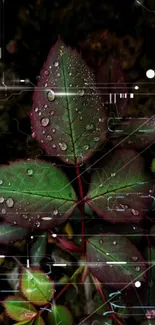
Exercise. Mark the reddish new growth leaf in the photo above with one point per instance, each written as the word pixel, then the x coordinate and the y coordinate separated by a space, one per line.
pixel 68 115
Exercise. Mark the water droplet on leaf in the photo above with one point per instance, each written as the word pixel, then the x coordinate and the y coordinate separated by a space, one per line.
pixel 50 95
pixel 47 73
pixel 9 202
pixel 49 137
pixel 96 139
pixel 55 63
pixel 55 212
pixel 63 146
pixel 1 182
pixel 30 172
pixel 36 109
pixel 101 241
pixel 3 211
pixel 1 199
pixel 45 121
pixel 86 146
pixel 135 212
pixel 134 258
pixel 113 175
pixel 137 268
pixel 90 126
pixel 114 242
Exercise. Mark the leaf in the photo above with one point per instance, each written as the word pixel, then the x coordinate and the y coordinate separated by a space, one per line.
pixel 36 286
pixel 19 309
pixel 60 314
pixel 9 233
pixel 105 250
pixel 25 323
pixel 110 80
pixel 92 319
pixel 38 249
pixel 135 133
pixel 119 189
pixel 39 321
pixel 59 115
pixel 35 194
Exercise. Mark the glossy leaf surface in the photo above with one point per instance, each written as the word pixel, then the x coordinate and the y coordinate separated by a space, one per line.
pixel 120 189
pixel 35 194
pixel 19 309
pixel 36 286
pixel 38 249
pixel 59 116
pixel 9 233
pixel 60 314
pixel 114 261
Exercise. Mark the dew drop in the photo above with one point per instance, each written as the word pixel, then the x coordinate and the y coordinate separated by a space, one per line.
pixel 58 74
pixel 96 139
pixel 30 172
pixel 46 73
pixel 46 85
pixel 49 137
pixel 134 258
pixel 37 224
pixel 50 95
pixel 24 216
pixel 9 202
pixel 1 182
pixel 45 121
pixel 55 212
pixel 33 135
pixel 36 109
pixel 53 130
pixel 81 92
pixel 135 212
pixel 39 114
pixel 114 242
pixel 86 146
pixel 113 174
pixel 53 145
pixel 63 146
pixel 1 199
pixel 101 241
pixel 101 119
pixel 55 63
pixel 101 185
pixel 137 268
pixel 3 211
pixel 52 113
pixel 90 126
pixel 80 118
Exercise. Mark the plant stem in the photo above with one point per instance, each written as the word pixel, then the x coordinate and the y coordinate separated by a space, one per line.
pixel 81 205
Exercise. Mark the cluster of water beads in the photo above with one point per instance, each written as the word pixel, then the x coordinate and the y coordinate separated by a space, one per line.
pixel 63 146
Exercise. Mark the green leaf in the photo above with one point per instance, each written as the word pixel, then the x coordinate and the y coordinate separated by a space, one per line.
pixel 25 323
pixel 38 321
pixel 19 309
pixel 60 314
pixel 38 249
pixel 119 189
pixel 104 251
pixel 9 233
pixel 36 286
pixel 35 194
pixel 71 133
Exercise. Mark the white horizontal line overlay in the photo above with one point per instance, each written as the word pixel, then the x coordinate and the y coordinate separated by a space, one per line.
pixel 59 264
pixel 116 262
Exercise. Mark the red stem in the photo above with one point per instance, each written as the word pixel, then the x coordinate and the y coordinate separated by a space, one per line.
pixel 81 205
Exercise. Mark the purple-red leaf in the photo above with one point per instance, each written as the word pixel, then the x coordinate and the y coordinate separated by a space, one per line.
pixel 134 132
pixel 68 115
pixel 120 188
pixel 115 261
pixel 35 194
